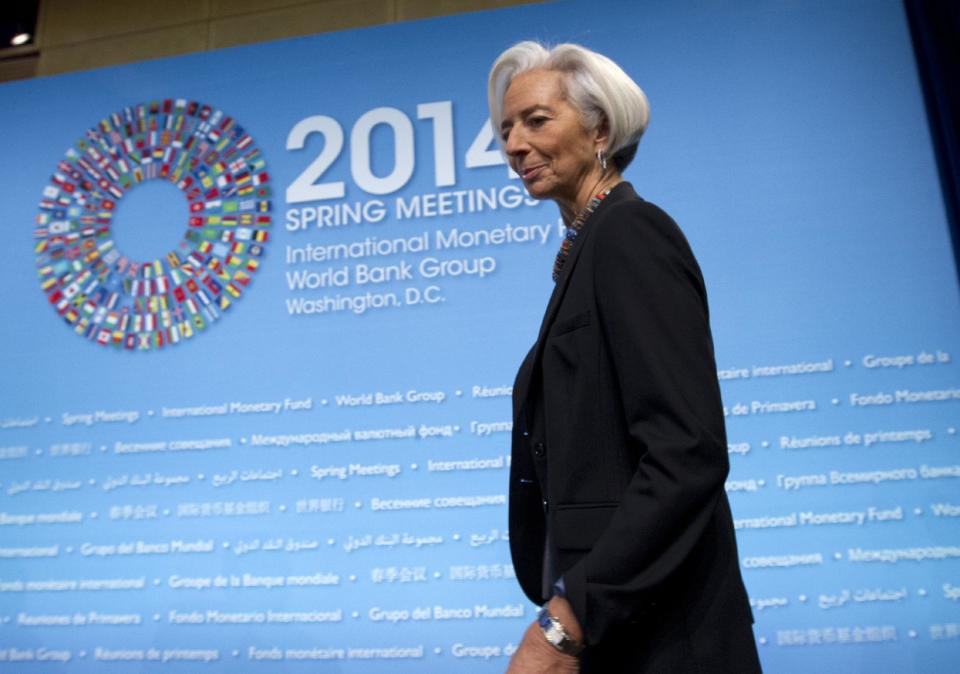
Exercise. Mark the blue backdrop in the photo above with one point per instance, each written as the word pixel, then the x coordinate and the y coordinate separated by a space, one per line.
pixel 257 355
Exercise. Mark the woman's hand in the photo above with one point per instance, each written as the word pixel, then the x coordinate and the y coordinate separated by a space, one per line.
pixel 537 656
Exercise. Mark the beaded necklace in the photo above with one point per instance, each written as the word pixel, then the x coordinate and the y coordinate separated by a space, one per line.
pixel 573 230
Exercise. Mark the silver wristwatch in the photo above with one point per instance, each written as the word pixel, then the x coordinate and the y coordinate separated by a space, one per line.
pixel 554 633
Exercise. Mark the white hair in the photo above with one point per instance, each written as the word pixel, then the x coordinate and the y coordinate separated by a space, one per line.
pixel 593 84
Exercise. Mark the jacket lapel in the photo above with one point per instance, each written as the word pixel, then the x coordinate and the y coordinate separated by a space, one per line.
pixel 522 386
pixel 532 361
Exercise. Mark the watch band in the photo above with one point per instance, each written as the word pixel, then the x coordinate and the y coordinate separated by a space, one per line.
pixel 555 635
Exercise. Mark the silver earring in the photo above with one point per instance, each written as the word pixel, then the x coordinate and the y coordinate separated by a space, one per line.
pixel 602 160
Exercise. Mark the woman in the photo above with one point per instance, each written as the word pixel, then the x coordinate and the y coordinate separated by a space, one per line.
pixel 619 523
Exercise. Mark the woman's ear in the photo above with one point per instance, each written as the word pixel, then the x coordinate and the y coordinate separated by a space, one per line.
pixel 602 134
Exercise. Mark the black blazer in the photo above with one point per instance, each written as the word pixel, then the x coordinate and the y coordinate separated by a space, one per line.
pixel 619 451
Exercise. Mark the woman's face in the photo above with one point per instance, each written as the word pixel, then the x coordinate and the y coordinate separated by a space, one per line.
pixel 545 140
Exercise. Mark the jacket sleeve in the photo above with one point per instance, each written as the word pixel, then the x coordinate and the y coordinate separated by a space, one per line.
pixel 653 318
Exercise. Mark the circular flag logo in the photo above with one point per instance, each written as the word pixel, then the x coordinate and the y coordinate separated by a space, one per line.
pixel 114 300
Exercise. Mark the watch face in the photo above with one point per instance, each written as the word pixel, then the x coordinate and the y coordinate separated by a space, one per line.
pixel 553 631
